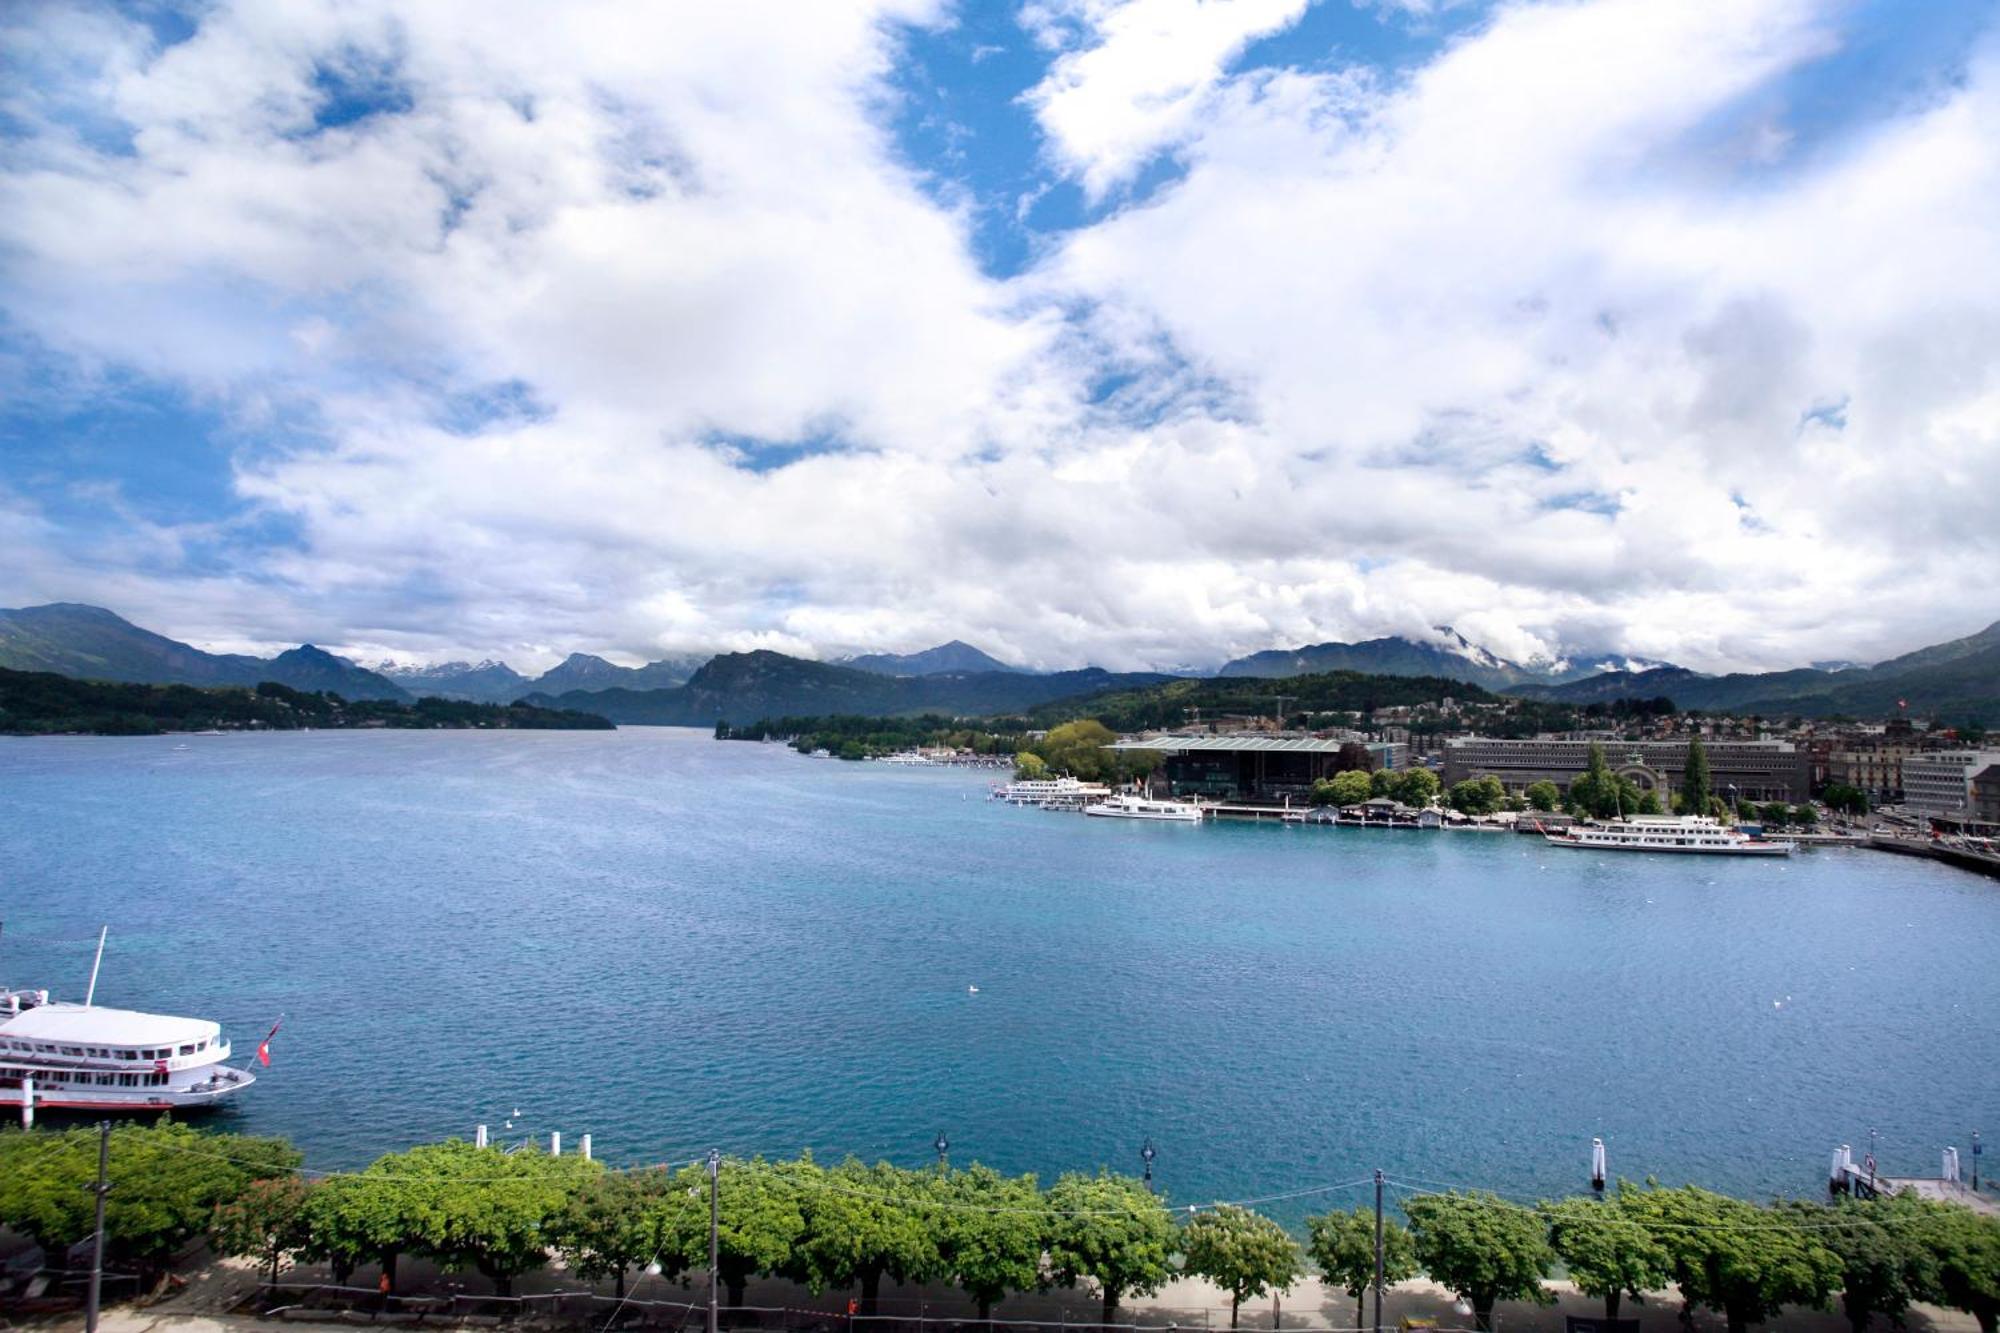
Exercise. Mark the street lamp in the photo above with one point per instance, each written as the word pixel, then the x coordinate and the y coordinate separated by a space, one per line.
pixel 1734 814
pixel 1146 1155
pixel 943 1146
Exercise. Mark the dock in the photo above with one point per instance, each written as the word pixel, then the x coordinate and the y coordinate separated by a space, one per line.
pixel 1980 863
pixel 1863 1184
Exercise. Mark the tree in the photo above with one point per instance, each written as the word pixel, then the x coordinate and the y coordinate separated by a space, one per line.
pixel 759 1221
pixel 460 1206
pixel 1244 1254
pixel 1351 787
pixel 1477 796
pixel 862 1223
pixel 1806 817
pixel 1111 1230
pixel 991 1233
pixel 1845 800
pixel 1745 1261
pixel 1886 1260
pixel 1078 749
pixel 1382 782
pixel 1543 795
pixel 1608 1253
pixel 1030 767
pixel 1481 1248
pixel 610 1225
pixel 1353 757
pixel 1342 1246
pixel 1776 813
pixel 1966 1248
pixel 167 1182
pixel 263 1222
pixel 1418 787
pixel 1697 786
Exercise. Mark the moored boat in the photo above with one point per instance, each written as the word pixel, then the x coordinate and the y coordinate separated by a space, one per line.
pixel 1682 834
pixel 85 1057
pixel 1126 806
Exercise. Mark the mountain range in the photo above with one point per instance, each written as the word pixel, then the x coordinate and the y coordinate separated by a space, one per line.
pixel 90 643
pixel 747 687
pixel 1956 681
pixel 1451 656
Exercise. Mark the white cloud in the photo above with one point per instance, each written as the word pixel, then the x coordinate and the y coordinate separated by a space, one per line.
pixel 1135 75
pixel 1529 342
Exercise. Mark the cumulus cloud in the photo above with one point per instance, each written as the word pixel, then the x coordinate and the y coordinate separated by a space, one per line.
pixel 635 330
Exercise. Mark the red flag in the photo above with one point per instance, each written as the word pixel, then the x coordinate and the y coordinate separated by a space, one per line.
pixel 159 1066
pixel 264 1046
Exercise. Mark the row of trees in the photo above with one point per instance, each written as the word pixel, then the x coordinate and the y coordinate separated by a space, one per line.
pixel 1415 786
pixel 1081 750
pixel 848 1226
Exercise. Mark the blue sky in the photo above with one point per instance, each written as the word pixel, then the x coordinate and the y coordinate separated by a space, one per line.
pixel 1128 331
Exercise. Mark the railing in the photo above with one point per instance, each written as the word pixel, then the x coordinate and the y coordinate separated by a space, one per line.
pixel 294 1302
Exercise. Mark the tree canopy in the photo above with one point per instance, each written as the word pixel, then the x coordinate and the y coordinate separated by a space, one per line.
pixel 1745 1261
pixel 992 1230
pixel 1110 1230
pixel 1342 1246
pixel 1481 1248
pixel 1608 1252
pixel 1240 1252
pixel 863 1223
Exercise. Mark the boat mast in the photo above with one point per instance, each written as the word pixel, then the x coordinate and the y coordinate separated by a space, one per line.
pixel 91 994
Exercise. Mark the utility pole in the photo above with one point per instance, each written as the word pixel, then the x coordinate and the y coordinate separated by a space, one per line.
pixel 1378 1250
pixel 101 1188
pixel 714 1244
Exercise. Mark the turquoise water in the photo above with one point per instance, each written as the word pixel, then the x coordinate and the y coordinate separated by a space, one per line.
pixel 671 942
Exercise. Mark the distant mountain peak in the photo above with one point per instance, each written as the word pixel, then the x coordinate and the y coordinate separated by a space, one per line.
pixel 956 656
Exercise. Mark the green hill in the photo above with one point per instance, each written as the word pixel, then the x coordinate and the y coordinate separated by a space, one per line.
pixel 44 703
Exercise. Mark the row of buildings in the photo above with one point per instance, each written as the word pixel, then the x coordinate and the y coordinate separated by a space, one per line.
pixel 1928 775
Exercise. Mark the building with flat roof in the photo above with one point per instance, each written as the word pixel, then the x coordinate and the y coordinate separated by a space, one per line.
pixel 1940 782
pixel 1758 770
pixel 1256 767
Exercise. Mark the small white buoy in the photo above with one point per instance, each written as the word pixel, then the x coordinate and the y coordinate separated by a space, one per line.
pixel 972 990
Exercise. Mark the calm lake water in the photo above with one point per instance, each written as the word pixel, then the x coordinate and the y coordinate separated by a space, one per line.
pixel 671 942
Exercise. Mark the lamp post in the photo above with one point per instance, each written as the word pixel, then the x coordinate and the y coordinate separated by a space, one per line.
pixel 1735 816
pixel 943 1146
pixel 1146 1155
pixel 714 1240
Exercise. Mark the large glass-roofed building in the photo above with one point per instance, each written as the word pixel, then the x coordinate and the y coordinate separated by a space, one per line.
pixel 1255 767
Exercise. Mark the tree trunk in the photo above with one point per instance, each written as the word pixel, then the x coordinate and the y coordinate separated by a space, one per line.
pixel 1482 1311
pixel 871 1289
pixel 621 1282
pixel 1361 1308
pixel 1988 1316
pixel 343 1269
pixel 732 1287
pixel 1734 1316
pixel 1110 1304
pixel 389 1269
pixel 1857 1312
pixel 1235 1304
pixel 1611 1299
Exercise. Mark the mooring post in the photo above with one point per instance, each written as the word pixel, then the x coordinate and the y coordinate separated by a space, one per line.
pixel 479 1136
pixel 27 1101
pixel 586 1147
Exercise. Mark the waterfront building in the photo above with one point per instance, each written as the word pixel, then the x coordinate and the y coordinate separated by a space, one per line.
pixel 1986 795
pixel 1939 782
pixel 1759 770
pixel 1256 767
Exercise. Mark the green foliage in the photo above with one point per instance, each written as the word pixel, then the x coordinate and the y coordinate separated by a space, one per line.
pixel 1382 782
pixel 1348 788
pixel 1608 1251
pixel 1342 1246
pixel 1885 1256
pixel 39 703
pixel 1697 786
pixel 1544 795
pixel 1077 748
pixel 1169 704
pixel 1745 1261
pixel 610 1224
pixel 1846 800
pixel 1417 786
pixel 1477 796
pixel 1110 1230
pixel 167 1182
pixel 1966 1249
pixel 862 1223
pixel 876 736
pixel 991 1233
pixel 263 1222
pixel 1481 1248
pixel 1240 1252
pixel 761 1221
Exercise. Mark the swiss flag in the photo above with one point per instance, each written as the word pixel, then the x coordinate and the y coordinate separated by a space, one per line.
pixel 264 1046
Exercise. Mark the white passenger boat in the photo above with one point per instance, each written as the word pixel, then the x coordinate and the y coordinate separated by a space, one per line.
pixel 1681 834
pixel 1140 807
pixel 1055 792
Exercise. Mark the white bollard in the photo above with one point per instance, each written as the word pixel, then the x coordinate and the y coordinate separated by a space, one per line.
pixel 555 1144
pixel 27 1101
pixel 1597 1166
pixel 479 1136
pixel 586 1147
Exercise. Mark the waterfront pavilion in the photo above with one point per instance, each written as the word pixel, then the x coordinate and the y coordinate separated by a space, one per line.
pixel 1252 767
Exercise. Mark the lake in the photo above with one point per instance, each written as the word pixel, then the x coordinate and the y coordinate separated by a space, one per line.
pixel 669 942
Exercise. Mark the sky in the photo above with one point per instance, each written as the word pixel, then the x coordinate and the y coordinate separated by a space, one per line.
pixel 1144 333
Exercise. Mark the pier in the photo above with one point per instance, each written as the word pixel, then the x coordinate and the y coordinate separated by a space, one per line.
pixel 1980 863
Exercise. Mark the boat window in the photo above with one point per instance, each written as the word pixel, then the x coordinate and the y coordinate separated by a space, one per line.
pixel 188 1049
pixel 72 1050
